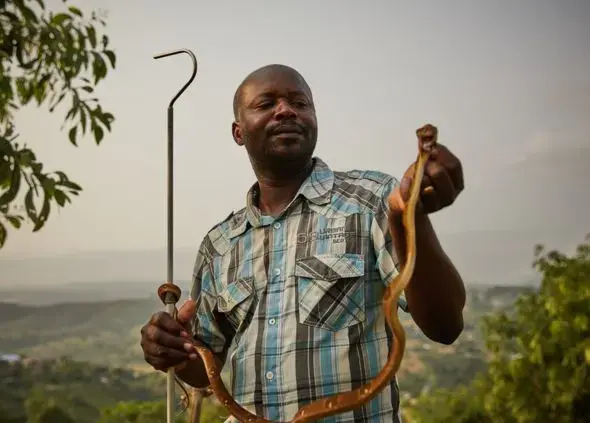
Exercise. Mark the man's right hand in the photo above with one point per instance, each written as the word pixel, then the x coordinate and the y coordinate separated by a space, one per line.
pixel 165 341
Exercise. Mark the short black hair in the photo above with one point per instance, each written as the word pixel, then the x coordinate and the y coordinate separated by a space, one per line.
pixel 257 73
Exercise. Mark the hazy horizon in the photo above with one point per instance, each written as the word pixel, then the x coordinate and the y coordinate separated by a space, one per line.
pixel 507 84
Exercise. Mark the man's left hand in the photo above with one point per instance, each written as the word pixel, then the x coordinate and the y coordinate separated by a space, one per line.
pixel 441 185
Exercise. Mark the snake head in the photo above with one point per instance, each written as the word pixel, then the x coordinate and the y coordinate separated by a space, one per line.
pixel 427 137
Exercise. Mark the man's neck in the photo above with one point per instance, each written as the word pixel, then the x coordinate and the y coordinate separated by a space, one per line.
pixel 275 192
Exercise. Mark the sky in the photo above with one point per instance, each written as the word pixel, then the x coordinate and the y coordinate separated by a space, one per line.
pixel 507 83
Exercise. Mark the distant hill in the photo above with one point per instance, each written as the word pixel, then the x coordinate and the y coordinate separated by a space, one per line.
pixel 107 332
pixel 100 332
pixel 83 292
pixel 475 253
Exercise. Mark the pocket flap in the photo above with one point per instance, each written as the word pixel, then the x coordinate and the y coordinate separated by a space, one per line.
pixel 234 294
pixel 330 267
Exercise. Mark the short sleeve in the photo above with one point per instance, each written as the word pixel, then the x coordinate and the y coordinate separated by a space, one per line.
pixel 206 324
pixel 387 261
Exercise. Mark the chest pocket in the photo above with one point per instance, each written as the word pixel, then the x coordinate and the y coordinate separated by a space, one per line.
pixel 235 301
pixel 331 290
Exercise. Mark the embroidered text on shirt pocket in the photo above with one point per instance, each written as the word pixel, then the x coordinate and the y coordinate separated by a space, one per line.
pixel 331 290
pixel 235 301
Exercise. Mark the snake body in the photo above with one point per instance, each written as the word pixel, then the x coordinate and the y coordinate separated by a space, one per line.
pixel 346 401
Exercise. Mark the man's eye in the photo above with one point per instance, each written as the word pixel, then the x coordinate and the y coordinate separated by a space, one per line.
pixel 264 105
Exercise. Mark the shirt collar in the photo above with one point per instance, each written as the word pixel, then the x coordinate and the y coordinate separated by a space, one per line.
pixel 316 188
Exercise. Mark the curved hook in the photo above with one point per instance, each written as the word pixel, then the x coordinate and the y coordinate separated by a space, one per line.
pixel 185 86
pixel 170 293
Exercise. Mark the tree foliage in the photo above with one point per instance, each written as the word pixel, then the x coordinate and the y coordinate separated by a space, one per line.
pixel 43 409
pixel 136 412
pixel 155 412
pixel 539 352
pixel 52 60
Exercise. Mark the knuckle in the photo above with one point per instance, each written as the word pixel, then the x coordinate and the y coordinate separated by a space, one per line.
pixel 158 351
pixel 158 317
pixel 436 171
pixel 144 330
pixel 149 333
pixel 157 336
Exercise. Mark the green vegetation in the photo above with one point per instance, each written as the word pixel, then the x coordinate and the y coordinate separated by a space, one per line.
pixel 101 340
pixel 527 362
pixel 101 332
pixel 108 332
pixel 46 58
pixel 58 390
pixel 539 355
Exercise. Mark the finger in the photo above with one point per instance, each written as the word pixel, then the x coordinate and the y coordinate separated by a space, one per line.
pixel 395 201
pixel 453 166
pixel 428 195
pixel 407 180
pixel 442 184
pixel 160 337
pixel 169 355
pixel 166 322
pixel 163 358
pixel 186 312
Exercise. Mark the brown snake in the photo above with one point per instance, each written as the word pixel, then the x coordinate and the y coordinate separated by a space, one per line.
pixel 346 401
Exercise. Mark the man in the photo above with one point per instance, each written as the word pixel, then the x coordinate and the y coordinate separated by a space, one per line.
pixel 295 279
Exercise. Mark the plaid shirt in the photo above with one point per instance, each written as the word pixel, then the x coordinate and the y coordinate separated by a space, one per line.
pixel 299 296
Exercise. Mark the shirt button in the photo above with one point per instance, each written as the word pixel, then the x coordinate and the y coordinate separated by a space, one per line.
pixel 277 225
pixel 271 321
pixel 277 271
pixel 269 375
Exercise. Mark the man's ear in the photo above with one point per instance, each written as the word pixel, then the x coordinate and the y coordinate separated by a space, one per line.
pixel 236 132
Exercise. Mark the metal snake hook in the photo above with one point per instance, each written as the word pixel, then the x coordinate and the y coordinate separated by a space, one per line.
pixel 169 293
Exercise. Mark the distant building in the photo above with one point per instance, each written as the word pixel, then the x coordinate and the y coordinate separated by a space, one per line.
pixel 10 358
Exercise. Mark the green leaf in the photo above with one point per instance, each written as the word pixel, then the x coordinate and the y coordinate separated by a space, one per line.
pixel 15 184
pixel 72 135
pixel 28 13
pixel 60 197
pixel 98 133
pixel 3 235
pixel 15 221
pixel 62 176
pixel 71 113
pixel 75 11
pixel 83 119
pixel 43 215
pixel 91 32
pixel 60 18
pixel 71 185
pixel 48 185
pixel 30 206
pixel 111 56
pixel 106 119
pixel 99 67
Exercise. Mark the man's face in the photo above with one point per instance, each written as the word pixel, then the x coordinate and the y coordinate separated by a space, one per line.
pixel 277 121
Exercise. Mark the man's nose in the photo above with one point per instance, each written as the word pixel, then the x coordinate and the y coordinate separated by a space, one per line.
pixel 284 110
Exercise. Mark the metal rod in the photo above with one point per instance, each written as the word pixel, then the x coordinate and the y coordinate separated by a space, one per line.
pixel 170 301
